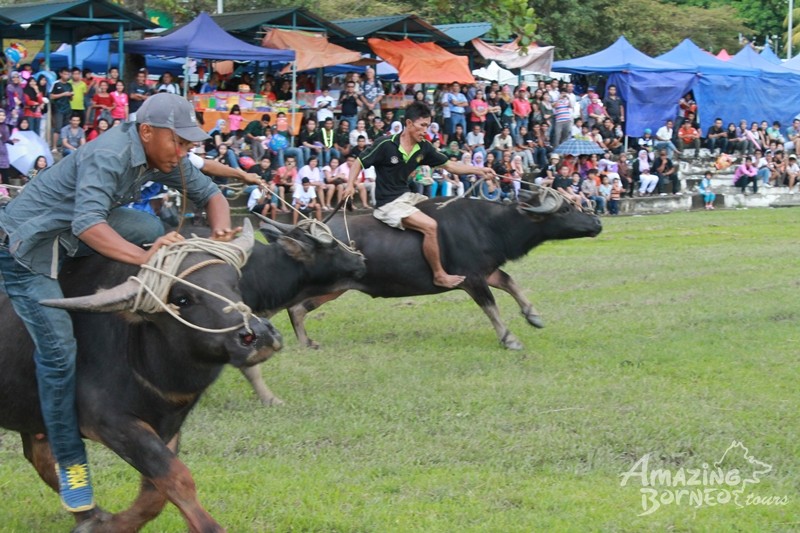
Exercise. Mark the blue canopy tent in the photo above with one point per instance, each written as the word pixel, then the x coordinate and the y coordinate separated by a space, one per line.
pixel 650 87
pixel 202 38
pixel 793 63
pixel 748 57
pixel 689 54
pixel 770 56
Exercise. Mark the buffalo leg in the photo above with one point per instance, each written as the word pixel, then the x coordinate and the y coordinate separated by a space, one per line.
pixel 37 451
pixel 254 376
pixel 147 506
pixel 297 314
pixel 480 292
pixel 501 280
pixel 138 444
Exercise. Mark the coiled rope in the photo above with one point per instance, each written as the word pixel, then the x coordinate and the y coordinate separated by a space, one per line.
pixel 158 275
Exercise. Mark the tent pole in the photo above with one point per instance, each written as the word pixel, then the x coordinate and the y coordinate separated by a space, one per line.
pixel 186 78
pixel 120 52
pixel 294 95
pixel 46 45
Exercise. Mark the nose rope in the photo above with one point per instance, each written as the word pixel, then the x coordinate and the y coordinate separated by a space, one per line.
pixel 157 277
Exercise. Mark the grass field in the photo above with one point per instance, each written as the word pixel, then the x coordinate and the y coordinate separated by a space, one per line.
pixel 668 335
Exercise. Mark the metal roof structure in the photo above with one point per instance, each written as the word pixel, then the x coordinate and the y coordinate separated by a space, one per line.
pixel 68 22
pixel 463 33
pixel 394 27
pixel 248 25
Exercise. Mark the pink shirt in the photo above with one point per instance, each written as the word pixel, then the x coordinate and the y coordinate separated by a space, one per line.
pixel 121 101
pixel 522 108
pixel 475 105
pixel 235 122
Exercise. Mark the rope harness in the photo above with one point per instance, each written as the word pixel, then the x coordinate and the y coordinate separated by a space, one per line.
pixel 157 277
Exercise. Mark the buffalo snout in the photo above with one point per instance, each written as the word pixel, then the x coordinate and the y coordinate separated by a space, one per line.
pixel 258 343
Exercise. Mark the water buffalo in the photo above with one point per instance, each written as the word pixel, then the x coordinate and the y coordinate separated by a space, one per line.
pixel 138 375
pixel 476 238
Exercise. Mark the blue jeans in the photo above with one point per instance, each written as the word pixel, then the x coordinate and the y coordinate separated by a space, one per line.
pixel 764 173
pixel 455 119
pixel 51 330
pixel 296 152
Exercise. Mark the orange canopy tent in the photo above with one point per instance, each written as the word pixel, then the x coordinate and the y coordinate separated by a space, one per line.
pixel 422 62
pixel 312 49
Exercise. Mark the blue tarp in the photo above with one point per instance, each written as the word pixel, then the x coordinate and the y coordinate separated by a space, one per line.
pixel 770 56
pixel 689 54
pixel 202 38
pixel 651 98
pixel 747 57
pixel 620 56
pixel 763 98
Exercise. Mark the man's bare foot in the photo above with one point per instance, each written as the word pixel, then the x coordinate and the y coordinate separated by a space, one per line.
pixel 448 281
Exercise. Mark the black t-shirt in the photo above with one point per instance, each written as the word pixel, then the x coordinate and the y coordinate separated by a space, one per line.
pixel 561 182
pixel 713 130
pixel 135 88
pixel 342 139
pixel 310 137
pixel 349 105
pixel 62 105
pixel 393 169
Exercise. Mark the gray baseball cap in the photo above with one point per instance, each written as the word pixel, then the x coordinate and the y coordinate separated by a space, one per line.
pixel 166 110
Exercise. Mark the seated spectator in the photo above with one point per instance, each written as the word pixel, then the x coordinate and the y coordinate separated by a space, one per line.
pixel 591 192
pixel 646 141
pixel 625 174
pixel 717 137
pixel 335 180
pixel 475 140
pixel 577 129
pixel 72 136
pixel 304 201
pixel 361 146
pixel 102 127
pixel 688 137
pixel 261 203
pixel 502 143
pixel 705 190
pixel 735 142
pixel 763 163
pixel 575 194
pixel 747 138
pixel 490 190
pixel 745 174
pixel 774 133
pixel 793 136
pixel 523 144
pixel 664 139
pixel 540 145
pixel 612 136
pixel 604 190
pixel 562 180
pixel 641 172
pixel 38 165
pixel 459 138
pixel 396 128
pixel 452 184
pixel 792 172
pixel 313 173
pixel 432 134
pixel 667 172
pixel 778 168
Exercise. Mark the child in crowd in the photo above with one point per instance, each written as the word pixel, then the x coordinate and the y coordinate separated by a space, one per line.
pixel 235 119
pixel 304 200
pixel 705 190
pixel 614 197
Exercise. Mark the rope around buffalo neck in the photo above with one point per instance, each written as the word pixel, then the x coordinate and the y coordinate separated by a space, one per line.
pixel 157 276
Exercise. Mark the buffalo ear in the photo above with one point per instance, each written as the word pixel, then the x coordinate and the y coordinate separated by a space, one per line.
pixel 297 250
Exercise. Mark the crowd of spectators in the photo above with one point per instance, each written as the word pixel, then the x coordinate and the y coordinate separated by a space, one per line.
pixel 514 130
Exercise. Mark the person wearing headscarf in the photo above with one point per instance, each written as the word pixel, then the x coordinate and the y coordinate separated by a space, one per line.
pixel 15 99
pixel 396 128
pixel 433 133
pixel 642 172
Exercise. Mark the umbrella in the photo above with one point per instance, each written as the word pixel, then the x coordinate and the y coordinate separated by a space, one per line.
pixel 578 147
pixel 23 154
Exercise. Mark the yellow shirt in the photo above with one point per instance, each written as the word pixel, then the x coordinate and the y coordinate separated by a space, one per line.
pixel 79 90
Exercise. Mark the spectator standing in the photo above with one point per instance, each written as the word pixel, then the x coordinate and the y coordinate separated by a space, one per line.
pixel 591 191
pixel 371 93
pixel 615 196
pixel 15 99
pixel 478 111
pixel 348 101
pixel 166 84
pixel 138 92
pixel 615 107
pixel 792 173
pixel 34 100
pixel 324 104
pixel 522 111
pixel 5 139
pixel 563 119
pixel 458 108
pixel 59 100
pixel 121 102
pixel 102 103
pixel 310 144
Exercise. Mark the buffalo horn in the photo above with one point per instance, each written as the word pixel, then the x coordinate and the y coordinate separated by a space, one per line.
pixel 116 298
pixel 284 228
pixel 246 239
pixel 549 202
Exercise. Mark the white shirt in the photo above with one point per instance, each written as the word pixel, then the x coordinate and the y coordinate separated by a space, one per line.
pixel 314 175
pixel 302 197
pixel 355 134
pixel 324 105
pixel 475 140
pixel 254 198
pixel 664 134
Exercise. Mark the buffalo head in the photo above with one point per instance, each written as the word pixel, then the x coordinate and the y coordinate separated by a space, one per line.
pixel 560 217
pixel 207 318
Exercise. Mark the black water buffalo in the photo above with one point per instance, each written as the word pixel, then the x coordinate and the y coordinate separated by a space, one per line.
pixel 476 238
pixel 138 375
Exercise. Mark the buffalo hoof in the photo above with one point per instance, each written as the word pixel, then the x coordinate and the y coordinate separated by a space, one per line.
pixel 314 345
pixel 511 342
pixel 271 402
pixel 96 521
pixel 535 320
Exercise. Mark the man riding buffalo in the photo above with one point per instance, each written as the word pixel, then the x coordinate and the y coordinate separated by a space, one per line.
pixel 395 158
pixel 74 207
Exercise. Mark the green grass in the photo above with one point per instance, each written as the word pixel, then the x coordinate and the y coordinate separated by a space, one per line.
pixel 672 335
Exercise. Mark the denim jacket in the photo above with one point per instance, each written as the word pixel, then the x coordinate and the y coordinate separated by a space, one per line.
pixel 80 191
